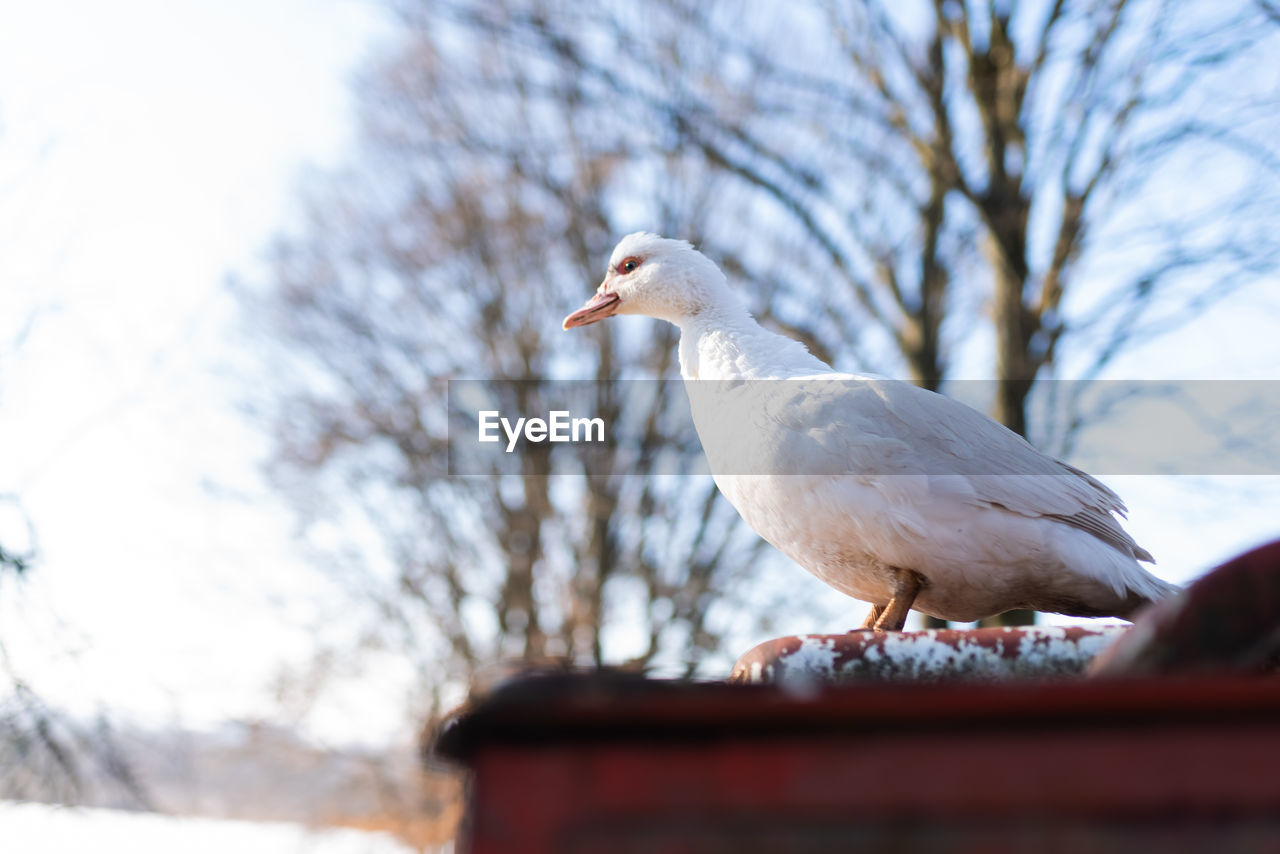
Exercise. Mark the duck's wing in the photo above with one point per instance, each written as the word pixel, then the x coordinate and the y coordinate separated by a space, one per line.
pixel 846 424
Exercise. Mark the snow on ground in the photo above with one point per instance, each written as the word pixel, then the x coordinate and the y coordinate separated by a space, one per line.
pixel 44 829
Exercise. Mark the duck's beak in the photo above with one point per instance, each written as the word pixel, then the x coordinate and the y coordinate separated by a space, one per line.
pixel 600 306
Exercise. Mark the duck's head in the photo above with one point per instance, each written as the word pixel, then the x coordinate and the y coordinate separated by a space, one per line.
pixel 658 277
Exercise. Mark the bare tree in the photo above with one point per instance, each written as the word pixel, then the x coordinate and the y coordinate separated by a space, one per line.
pixel 45 754
pixel 899 180
pixel 940 170
pixel 491 185
pixel 956 149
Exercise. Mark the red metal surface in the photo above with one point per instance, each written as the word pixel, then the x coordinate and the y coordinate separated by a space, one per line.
pixel 612 762
pixel 567 765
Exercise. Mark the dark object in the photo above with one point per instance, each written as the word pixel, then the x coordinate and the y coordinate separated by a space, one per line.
pixel 1228 620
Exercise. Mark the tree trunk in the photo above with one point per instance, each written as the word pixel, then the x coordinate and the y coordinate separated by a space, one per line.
pixel 1015 325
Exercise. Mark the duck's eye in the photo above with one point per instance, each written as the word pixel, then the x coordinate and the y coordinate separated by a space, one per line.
pixel 628 265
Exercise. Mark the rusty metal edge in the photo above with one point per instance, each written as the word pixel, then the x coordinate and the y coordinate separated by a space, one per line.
pixel 571 709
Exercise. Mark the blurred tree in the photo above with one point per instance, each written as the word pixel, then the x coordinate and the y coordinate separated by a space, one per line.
pixel 13 562
pixel 954 164
pixel 935 171
pixel 45 755
pixel 906 185
pixel 491 185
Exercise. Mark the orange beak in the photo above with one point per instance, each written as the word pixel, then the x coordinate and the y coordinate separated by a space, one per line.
pixel 600 306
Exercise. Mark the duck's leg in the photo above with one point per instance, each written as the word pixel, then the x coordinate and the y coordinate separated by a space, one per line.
pixel 872 616
pixel 905 588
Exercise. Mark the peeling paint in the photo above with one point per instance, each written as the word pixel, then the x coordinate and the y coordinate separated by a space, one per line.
pixel 931 655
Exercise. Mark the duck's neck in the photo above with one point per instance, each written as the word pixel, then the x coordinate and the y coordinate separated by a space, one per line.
pixel 729 344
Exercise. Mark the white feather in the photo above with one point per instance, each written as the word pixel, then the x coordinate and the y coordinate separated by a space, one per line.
pixel 853 475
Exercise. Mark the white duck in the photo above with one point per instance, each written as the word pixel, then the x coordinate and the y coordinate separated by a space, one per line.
pixel 892 494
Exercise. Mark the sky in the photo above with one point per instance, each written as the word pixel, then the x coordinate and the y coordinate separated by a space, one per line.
pixel 149 150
